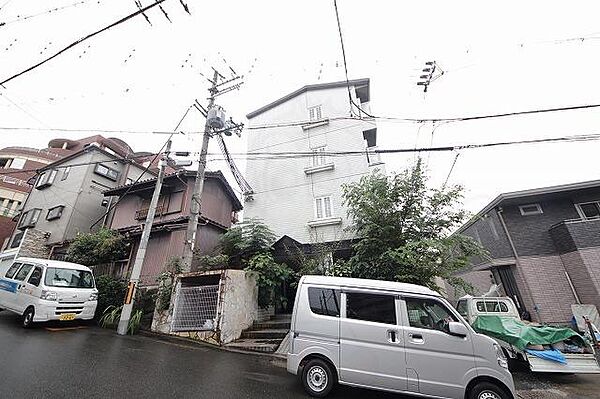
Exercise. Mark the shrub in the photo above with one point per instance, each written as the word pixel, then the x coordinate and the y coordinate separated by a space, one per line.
pixel 111 292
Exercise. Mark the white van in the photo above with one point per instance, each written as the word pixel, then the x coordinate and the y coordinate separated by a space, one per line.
pixel 390 336
pixel 42 290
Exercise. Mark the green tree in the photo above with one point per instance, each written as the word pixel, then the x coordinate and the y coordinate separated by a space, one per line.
pixel 103 246
pixel 404 229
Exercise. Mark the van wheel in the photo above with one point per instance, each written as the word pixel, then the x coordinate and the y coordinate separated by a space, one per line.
pixel 28 317
pixel 318 378
pixel 487 390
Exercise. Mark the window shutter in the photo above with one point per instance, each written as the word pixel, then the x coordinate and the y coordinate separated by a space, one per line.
pixel 319 208
pixel 327 202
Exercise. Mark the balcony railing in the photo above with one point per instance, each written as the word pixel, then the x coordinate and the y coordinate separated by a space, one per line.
pixel 573 234
pixel 142 213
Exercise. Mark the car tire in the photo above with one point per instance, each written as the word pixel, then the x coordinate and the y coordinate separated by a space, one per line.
pixel 488 390
pixel 318 378
pixel 27 320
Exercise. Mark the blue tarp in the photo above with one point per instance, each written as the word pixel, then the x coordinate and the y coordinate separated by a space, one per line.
pixel 551 354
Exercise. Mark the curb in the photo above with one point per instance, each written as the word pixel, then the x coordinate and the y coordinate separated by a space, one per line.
pixel 275 357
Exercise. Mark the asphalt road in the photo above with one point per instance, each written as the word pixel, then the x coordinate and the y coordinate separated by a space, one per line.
pixel 96 363
pixel 89 362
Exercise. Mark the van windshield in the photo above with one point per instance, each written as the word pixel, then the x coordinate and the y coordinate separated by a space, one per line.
pixel 69 278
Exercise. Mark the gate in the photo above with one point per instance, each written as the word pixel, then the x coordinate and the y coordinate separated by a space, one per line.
pixel 195 308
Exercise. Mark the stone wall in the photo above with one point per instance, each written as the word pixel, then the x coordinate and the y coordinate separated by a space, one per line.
pixel 33 245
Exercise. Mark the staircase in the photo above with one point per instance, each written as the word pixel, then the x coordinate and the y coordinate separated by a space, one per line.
pixel 264 336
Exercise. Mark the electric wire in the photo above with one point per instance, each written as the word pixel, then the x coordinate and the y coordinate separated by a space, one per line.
pixel 75 43
pixel 48 11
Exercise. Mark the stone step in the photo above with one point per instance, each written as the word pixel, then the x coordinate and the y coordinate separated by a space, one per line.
pixel 282 317
pixel 271 324
pixel 266 334
pixel 255 345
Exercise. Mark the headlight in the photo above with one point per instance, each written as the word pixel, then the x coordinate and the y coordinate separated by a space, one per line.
pixel 49 295
pixel 93 296
pixel 502 362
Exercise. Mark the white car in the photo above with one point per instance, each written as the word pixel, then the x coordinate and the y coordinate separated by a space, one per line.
pixel 390 336
pixel 42 290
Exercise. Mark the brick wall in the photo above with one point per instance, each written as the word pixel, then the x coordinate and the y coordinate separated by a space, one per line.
pixel 549 287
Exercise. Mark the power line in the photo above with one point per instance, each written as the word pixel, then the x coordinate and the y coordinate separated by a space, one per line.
pixel 48 11
pixel 13 172
pixel 307 122
pixel 337 15
pixel 120 21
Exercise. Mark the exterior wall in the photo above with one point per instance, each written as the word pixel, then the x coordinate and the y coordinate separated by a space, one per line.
pixel 284 193
pixel 570 235
pixel 161 247
pixel 239 306
pixel 480 281
pixel 531 234
pixel 32 245
pixel 489 233
pixel 549 288
pixel 584 270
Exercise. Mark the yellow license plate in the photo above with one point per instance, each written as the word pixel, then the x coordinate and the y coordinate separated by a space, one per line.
pixel 67 316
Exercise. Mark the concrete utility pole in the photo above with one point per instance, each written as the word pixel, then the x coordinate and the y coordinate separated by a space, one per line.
pixel 141 252
pixel 196 200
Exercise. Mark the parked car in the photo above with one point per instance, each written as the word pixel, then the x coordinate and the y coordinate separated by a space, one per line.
pixel 393 337
pixel 512 334
pixel 42 290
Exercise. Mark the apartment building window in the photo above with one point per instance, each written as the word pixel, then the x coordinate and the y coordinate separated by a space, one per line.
pixel 530 209
pixel 323 208
pixel 319 158
pixel 66 173
pixel 314 113
pixel 30 218
pixel 588 210
pixel 55 213
pixel 107 172
pixel 12 163
pixel 46 179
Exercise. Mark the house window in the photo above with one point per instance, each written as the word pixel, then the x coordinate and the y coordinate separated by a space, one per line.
pixel 107 172
pixel 66 173
pixel 12 163
pixel 318 157
pixel 589 210
pixel 530 209
pixel 46 179
pixel 323 208
pixel 30 218
pixel 314 113
pixel 55 213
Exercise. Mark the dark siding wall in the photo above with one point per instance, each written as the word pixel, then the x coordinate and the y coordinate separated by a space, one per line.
pixel 531 234
pixel 489 233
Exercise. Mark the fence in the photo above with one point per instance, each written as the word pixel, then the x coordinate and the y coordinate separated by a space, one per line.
pixel 196 308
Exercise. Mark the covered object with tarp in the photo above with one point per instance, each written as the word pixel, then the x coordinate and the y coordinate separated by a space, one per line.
pixel 521 335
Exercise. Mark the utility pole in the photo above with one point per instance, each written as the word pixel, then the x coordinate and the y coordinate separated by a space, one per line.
pixel 141 252
pixel 215 125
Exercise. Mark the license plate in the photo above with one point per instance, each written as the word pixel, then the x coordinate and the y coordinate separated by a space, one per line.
pixel 67 316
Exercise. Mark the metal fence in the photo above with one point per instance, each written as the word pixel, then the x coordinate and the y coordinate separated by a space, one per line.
pixel 195 308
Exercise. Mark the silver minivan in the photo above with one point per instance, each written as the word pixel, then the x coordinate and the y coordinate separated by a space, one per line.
pixel 390 336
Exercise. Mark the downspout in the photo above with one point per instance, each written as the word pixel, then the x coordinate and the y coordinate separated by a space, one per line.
pixel 517 259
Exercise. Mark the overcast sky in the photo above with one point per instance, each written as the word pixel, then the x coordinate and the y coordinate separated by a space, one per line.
pixel 142 77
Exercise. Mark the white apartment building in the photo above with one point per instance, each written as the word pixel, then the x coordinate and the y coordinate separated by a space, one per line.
pixel 301 197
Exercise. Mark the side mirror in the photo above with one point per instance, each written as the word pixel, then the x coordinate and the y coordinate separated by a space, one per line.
pixel 457 329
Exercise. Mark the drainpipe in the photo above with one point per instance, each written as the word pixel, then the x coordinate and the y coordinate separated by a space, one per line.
pixel 517 259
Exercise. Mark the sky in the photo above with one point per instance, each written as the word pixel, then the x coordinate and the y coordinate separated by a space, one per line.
pixel 141 77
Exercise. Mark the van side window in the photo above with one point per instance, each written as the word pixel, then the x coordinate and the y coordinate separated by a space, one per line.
pixel 23 272
pixel 428 313
pixel 371 307
pixel 36 276
pixel 12 270
pixel 324 301
pixel 461 307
